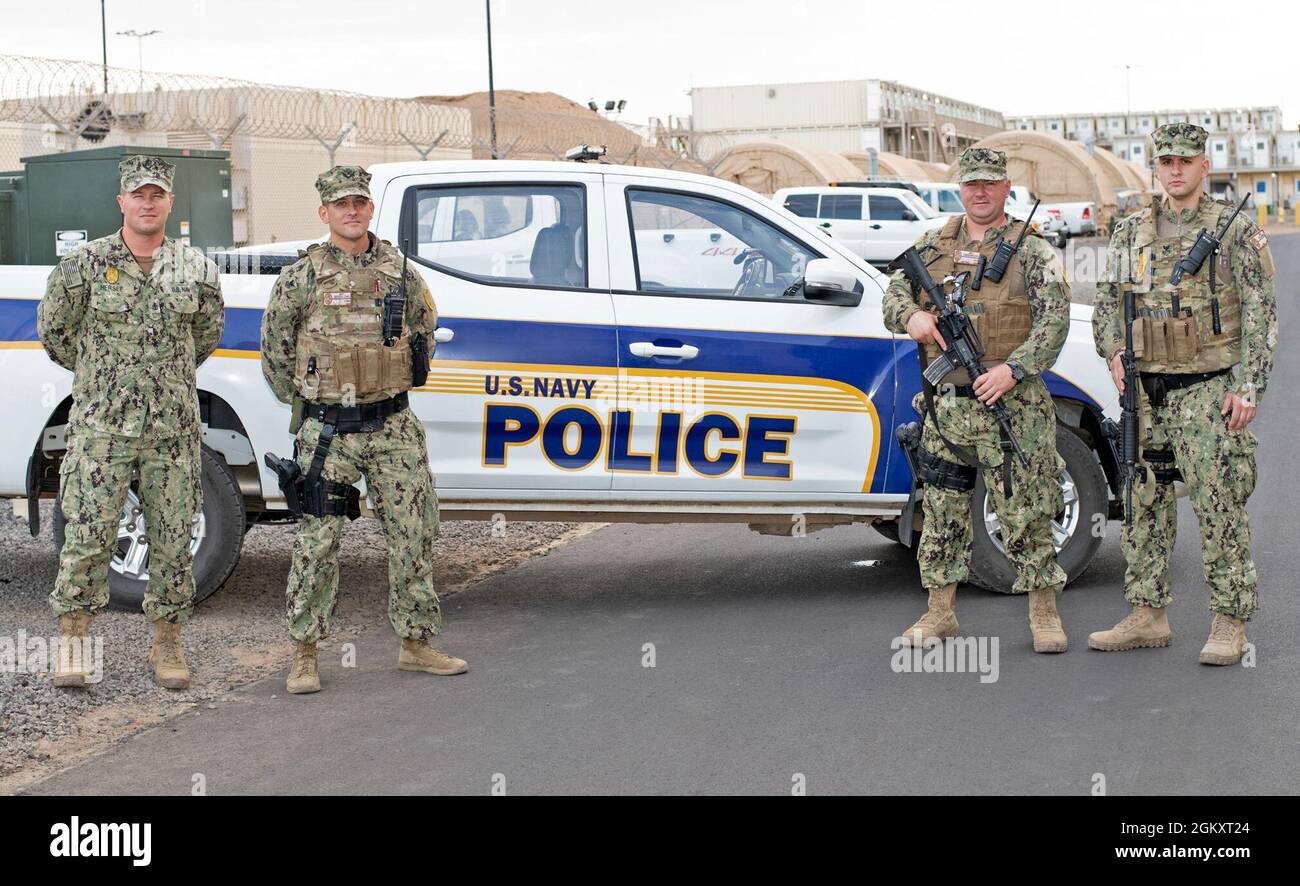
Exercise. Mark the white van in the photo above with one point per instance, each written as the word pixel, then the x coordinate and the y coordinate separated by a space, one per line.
pixel 876 223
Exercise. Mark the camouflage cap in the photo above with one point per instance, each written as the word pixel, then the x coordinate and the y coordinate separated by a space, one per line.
pixel 1179 140
pixel 342 181
pixel 981 164
pixel 139 170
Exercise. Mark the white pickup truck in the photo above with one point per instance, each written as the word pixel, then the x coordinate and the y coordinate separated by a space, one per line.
pixel 616 344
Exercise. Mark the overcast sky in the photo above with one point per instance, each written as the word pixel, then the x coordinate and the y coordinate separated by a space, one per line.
pixel 1051 57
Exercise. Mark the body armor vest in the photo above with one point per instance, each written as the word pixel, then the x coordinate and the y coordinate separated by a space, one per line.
pixel 998 311
pixel 341 354
pixel 1186 343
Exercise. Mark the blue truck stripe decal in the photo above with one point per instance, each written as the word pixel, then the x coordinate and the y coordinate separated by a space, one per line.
pixel 864 363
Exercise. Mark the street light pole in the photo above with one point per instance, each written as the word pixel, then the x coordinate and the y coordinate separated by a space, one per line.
pixel 139 42
pixel 492 94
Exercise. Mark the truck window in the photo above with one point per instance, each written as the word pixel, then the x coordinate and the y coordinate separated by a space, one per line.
pixel 685 244
pixel 841 206
pixel 802 204
pixel 950 201
pixel 517 234
pixel 886 208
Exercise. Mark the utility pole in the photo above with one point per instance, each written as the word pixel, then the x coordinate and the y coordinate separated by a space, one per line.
pixel 492 94
pixel 103 37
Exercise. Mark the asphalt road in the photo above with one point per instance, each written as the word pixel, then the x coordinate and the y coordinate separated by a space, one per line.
pixel 772 662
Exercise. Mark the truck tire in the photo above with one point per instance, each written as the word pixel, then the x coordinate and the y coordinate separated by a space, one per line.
pixel 1084 488
pixel 218 547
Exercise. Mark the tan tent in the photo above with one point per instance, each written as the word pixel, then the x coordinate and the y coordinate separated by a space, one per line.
pixel 896 166
pixel 938 171
pixel 1122 173
pixel 1057 170
pixel 767 166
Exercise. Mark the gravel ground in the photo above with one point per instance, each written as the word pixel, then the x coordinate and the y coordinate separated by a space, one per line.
pixel 237 635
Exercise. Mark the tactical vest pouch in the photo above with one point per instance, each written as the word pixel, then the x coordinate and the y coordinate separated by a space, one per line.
pixel 398 366
pixel 1155 340
pixel 370 369
pixel 1181 339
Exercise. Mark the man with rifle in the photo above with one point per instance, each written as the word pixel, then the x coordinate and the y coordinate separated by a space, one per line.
pixel 1015 315
pixel 1198 337
pixel 343 339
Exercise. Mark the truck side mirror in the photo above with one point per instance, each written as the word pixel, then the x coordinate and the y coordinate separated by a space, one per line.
pixel 828 282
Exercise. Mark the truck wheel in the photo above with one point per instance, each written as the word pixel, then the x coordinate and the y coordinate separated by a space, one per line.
pixel 218 538
pixel 1084 489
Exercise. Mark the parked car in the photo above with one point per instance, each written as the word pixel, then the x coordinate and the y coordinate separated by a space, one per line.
pixel 877 224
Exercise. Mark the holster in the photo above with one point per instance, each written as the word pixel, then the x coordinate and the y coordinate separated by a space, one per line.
pixel 311 493
pixel 1163 466
pixel 929 469
pixel 419 359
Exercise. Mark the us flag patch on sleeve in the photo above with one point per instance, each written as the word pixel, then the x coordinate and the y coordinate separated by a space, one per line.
pixel 1259 240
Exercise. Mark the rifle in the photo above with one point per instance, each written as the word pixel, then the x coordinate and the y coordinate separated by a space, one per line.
pixel 964 348
pixel 1124 436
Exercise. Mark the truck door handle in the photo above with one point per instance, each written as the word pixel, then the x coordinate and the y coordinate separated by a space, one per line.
pixel 650 349
pixel 875 227
pixel 443 334
pixel 826 224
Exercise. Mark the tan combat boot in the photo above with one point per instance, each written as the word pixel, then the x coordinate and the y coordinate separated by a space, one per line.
pixel 304 675
pixel 72 667
pixel 1045 622
pixel 169 668
pixel 417 655
pixel 939 620
pixel 1227 641
pixel 1144 626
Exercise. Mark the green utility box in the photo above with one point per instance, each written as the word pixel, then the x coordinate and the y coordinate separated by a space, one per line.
pixel 60 201
pixel 12 207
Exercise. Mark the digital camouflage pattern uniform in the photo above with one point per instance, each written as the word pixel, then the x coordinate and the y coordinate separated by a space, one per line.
pixel 1217 465
pixel 133 341
pixel 1026 517
pixel 394 459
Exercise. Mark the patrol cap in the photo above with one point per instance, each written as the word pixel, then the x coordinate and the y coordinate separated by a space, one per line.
pixel 1179 140
pixel 981 164
pixel 138 170
pixel 342 181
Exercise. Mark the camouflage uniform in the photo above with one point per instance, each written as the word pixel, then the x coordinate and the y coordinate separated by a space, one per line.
pixel 1217 465
pixel 133 341
pixel 1026 516
pixel 393 459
